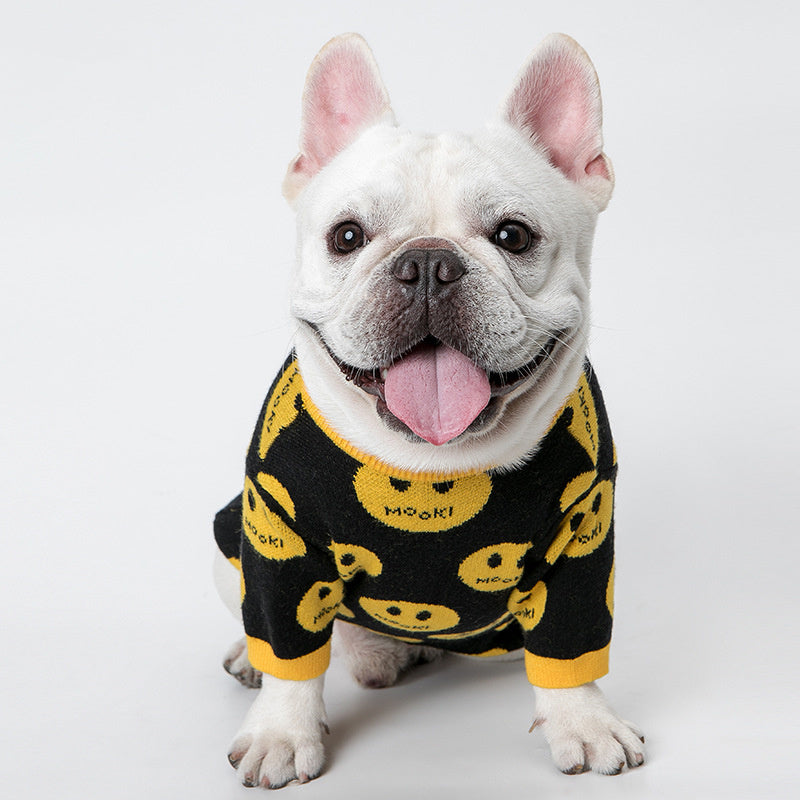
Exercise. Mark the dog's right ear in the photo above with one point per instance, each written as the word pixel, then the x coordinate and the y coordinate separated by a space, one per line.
pixel 343 95
pixel 556 101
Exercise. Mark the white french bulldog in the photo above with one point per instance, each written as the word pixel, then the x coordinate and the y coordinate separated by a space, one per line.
pixel 441 295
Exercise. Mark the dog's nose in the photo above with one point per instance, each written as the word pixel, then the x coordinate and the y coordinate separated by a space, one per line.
pixel 434 266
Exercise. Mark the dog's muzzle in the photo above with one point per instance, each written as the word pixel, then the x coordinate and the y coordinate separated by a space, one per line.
pixel 433 387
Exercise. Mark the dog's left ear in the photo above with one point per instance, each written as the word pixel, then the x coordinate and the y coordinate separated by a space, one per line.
pixel 343 95
pixel 556 100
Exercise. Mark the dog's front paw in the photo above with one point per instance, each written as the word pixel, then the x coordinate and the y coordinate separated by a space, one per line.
pixel 272 758
pixel 584 733
pixel 281 737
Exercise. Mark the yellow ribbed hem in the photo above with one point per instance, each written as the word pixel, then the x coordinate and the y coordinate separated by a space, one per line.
pixel 371 461
pixel 557 673
pixel 303 668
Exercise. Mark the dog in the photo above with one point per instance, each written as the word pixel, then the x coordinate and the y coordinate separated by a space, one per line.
pixel 432 468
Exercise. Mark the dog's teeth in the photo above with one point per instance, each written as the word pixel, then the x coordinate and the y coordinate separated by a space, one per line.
pixel 384 373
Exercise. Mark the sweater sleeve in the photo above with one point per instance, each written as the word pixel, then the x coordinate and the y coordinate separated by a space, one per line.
pixel 291 590
pixel 567 615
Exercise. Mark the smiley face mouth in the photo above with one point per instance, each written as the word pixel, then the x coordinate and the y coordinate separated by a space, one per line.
pixel 392 622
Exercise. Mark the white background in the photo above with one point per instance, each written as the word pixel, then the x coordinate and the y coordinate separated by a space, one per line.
pixel 144 254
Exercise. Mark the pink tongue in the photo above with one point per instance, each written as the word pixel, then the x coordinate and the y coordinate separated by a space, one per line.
pixel 436 391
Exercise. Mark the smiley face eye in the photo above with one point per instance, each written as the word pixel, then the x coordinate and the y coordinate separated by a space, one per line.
pixel 513 236
pixel 494 560
pixel 347 237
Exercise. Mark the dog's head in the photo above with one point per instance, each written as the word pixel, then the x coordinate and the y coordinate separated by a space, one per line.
pixel 442 280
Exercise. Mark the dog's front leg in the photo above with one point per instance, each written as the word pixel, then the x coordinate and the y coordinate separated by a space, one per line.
pixel 584 733
pixel 281 737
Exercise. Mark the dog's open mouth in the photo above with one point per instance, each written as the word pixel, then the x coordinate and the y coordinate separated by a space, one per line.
pixel 438 392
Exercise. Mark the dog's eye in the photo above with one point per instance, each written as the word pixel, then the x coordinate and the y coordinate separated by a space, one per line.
pixel 513 236
pixel 348 237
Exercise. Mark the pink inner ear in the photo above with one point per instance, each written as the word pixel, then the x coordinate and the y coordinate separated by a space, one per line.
pixel 344 95
pixel 558 101
pixel 598 166
pixel 304 166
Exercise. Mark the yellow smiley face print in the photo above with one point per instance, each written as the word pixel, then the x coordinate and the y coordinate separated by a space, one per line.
pixel 583 425
pixel 266 531
pixel 413 617
pixel 590 520
pixel 352 559
pixel 421 505
pixel 586 525
pixel 277 491
pixel 320 605
pixel 282 409
pixel 528 607
pixel 610 591
pixel 494 568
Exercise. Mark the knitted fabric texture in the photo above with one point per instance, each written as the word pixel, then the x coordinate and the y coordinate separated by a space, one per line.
pixel 480 563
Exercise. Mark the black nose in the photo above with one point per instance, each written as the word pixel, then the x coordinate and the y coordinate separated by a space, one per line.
pixel 428 267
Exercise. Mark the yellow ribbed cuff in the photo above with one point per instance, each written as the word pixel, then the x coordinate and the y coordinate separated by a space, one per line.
pixel 303 668
pixel 557 673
